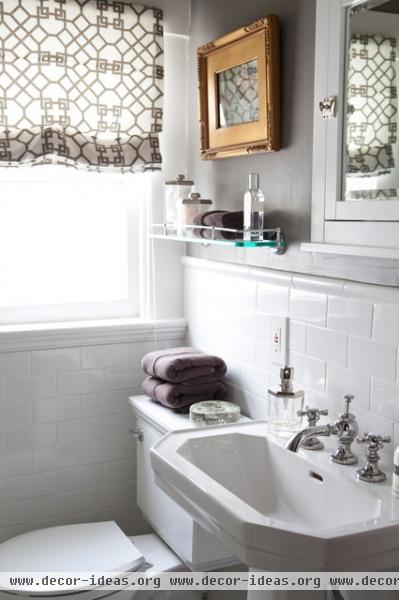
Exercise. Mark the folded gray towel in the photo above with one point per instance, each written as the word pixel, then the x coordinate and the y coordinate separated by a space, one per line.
pixel 177 395
pixel 219 218
pixel 177 365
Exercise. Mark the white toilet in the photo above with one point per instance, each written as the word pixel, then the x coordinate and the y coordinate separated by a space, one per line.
pixel 103 547
pixel 90 548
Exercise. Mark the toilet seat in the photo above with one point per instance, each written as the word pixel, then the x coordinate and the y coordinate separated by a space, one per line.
pixel 88 547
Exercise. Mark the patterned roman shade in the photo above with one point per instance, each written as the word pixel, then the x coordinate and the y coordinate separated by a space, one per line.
pixel 81 83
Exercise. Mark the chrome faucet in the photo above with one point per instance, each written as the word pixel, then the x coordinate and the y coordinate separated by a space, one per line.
pixel 348 430
pixel 313 415
pixel 345 428
pixel 371 472
pixel 298 439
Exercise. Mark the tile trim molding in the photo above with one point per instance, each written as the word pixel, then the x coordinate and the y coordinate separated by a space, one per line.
pixel 311 283
pixel 66 335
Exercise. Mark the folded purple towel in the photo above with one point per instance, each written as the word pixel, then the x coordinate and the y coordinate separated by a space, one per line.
pixel 177 365
pixel 177 395
pixel 220 218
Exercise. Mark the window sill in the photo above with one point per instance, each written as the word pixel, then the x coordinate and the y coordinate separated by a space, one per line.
pixel 41 336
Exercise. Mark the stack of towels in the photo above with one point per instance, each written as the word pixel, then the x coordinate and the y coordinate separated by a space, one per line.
pixel 178 377
pixel 219 218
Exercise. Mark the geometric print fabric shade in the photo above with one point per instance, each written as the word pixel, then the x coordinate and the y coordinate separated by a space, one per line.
pixel 372 104
pixel 81 84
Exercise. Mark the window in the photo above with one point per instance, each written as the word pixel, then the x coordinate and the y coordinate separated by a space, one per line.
pixel 74 244
pixel 68 245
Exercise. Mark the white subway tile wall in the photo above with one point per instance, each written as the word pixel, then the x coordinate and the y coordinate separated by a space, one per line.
pixel 338 344
pixel 350 316
pixel 65 454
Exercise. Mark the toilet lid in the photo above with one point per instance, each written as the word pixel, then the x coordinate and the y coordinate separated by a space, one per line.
pixel 88 547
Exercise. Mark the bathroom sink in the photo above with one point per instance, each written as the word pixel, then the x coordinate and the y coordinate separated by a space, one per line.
pixel 274 509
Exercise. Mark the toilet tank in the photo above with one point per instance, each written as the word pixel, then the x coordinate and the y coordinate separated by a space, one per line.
pixel 196 547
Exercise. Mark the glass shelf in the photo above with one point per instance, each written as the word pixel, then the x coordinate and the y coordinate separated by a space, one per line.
pixel 187 234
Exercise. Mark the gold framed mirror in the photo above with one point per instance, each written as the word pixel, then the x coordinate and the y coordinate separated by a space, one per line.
pixel 239 91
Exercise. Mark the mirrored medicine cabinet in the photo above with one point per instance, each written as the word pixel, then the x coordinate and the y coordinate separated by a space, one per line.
pixel 355 192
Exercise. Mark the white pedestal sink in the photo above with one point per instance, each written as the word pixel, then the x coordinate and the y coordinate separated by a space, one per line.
pixel 276 510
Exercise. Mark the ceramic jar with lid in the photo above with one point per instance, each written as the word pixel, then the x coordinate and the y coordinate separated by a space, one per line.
pixel 190 208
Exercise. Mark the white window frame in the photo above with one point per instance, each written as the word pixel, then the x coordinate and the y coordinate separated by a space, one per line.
pixel 366 228
pixel 160 268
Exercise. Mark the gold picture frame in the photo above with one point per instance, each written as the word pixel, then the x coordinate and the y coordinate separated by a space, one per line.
pixel 252 125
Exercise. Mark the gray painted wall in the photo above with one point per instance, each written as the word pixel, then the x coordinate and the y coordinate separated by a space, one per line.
pixel 285 175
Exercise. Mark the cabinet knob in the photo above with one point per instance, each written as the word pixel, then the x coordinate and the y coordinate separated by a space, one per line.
pixel 327 107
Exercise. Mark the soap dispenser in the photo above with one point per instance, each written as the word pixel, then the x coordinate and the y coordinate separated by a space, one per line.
pixel 284 405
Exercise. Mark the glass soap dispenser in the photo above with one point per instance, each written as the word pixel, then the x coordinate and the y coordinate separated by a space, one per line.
pixel 283 406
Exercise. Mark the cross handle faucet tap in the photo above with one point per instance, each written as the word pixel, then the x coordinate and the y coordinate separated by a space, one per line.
pixel 313 416
pixel 371 472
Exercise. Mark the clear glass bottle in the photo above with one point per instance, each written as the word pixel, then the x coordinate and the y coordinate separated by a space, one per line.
pixel 254 202
pixel 283 406
pixel 174 193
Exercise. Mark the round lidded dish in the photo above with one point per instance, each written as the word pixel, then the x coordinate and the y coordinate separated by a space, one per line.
pixel 214 412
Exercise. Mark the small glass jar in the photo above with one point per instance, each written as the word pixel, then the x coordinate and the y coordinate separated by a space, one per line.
pixel 214 412
pixel 189 209
pixel 174 193
pixel 283 406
